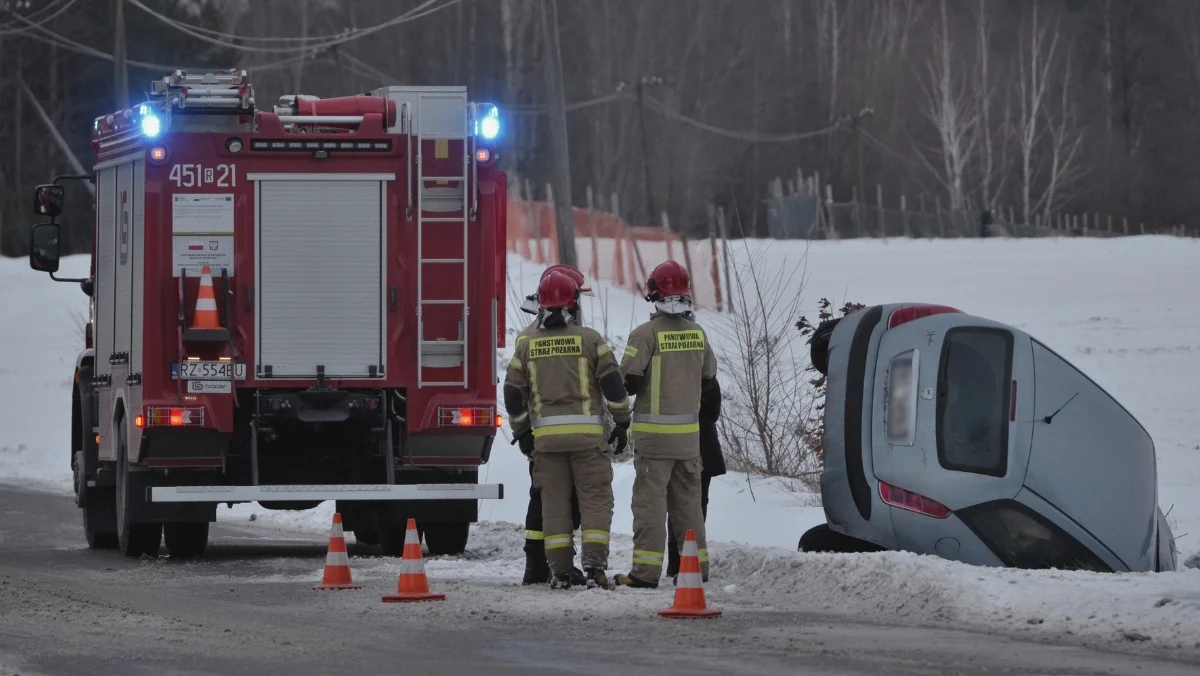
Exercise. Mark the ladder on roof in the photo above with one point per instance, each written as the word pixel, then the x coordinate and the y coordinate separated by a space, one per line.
pixel 220 91
pixel 443 118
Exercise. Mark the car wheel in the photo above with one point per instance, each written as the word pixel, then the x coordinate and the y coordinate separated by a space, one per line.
pixel 134 539
pixel 822 538
pixel 447 539
pixel 819 352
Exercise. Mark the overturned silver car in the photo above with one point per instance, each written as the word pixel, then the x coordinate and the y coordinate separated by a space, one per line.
pixel 955 435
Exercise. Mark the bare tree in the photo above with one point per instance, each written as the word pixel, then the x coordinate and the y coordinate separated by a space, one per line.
pixel 952 108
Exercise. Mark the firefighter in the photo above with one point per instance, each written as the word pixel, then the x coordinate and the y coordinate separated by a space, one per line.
pixel 554 391
pixel 670 367
pixel 537 571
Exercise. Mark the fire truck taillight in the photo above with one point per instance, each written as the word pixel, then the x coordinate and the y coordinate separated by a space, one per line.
pixel 139 421
pixel 174 417
pixel 158 154
pixel 483 155
pixel 466 417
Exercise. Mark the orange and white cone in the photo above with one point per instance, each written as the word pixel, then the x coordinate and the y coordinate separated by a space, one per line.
pixel 206 316
pixel 337 562
pixel 413 585
pixel 689 589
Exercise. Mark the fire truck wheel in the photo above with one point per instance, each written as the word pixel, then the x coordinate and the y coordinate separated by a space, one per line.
pixel 186 540
pixel 391 536
pixel 447 539
pixel 134 539
pixel 98 515
pixel 366 537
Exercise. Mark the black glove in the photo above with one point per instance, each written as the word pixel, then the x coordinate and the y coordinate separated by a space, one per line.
pixel 620 435
pixel 526 443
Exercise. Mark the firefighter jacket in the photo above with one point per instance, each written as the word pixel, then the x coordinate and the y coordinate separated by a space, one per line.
pixel 668 360
pixel 557 384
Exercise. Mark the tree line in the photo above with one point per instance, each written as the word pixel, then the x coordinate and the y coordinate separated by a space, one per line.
pixel 1042 107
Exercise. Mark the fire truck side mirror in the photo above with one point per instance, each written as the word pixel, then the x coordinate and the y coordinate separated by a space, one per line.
pixel 48 200
pixel 43 247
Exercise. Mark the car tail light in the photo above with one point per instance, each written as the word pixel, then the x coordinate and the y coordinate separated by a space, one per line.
pixel 466 417
pixel 174 417
pixel 898 497
pixel 907 314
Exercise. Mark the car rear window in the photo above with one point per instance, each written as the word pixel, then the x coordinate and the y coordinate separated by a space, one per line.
pixel 973 399
pixel 1022 538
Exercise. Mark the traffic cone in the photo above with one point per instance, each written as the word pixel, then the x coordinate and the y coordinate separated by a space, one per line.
pixel 689 589
pixel 337 562
pixel 206 316
pixel 413 585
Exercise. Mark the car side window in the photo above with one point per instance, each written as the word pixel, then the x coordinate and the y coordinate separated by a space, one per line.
pixel 974 377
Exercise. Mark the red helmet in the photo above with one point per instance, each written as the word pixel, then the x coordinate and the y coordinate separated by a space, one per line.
pixel 667 280
pixel 571 272
pixel 557 290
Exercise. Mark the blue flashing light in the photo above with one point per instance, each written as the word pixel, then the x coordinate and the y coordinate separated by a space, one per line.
pixel 151 125
pixel 489 126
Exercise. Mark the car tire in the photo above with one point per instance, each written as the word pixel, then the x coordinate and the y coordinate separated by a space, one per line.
pixel 186 540
pixel 447 539
pixel 819 351
pixel 822 538
pixel 134 539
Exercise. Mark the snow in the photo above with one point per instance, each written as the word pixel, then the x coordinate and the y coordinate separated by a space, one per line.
pixel 1123 310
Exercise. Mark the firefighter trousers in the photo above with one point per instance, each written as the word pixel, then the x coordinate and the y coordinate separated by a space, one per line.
pixel 673 538
pixel 665 487
pixel 589 472
pixel 535 536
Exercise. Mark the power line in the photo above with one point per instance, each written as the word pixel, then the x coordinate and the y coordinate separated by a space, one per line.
pixel 418 12
pixel 4 30
pixel 752 137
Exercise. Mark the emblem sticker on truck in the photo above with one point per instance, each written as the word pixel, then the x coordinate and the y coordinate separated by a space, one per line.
pixel 209 386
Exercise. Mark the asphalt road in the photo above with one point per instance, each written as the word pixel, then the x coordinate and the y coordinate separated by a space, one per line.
pixel 248 608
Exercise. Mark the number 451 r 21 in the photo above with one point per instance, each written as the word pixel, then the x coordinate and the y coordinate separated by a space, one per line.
pixel 197 176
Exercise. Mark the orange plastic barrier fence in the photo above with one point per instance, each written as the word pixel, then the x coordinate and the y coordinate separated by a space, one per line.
pixel 608 248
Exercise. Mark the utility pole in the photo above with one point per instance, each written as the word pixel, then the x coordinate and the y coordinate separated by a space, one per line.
pixel 647 186
pixel 560 154
pixel 120 71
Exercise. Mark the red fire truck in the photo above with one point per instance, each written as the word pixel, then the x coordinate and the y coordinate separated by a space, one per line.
pixel 288 307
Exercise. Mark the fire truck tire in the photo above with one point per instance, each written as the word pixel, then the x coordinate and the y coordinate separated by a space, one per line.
pixel 391 536
pixel 98 515
pixel 134 539
pixel 186 540
pixel 447 538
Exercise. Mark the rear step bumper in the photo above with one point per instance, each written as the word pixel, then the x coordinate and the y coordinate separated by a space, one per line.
pixel 328 492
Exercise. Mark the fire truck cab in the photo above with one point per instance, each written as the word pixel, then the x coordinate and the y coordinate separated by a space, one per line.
pixel 288 307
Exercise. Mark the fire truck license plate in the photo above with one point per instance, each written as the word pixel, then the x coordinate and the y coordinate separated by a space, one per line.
pixel 209 370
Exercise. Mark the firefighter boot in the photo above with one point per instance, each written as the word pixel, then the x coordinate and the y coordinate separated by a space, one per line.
pixel 631 581
pixel 560 581
pixel 537 570
pixel 577 577
pixel 596 577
